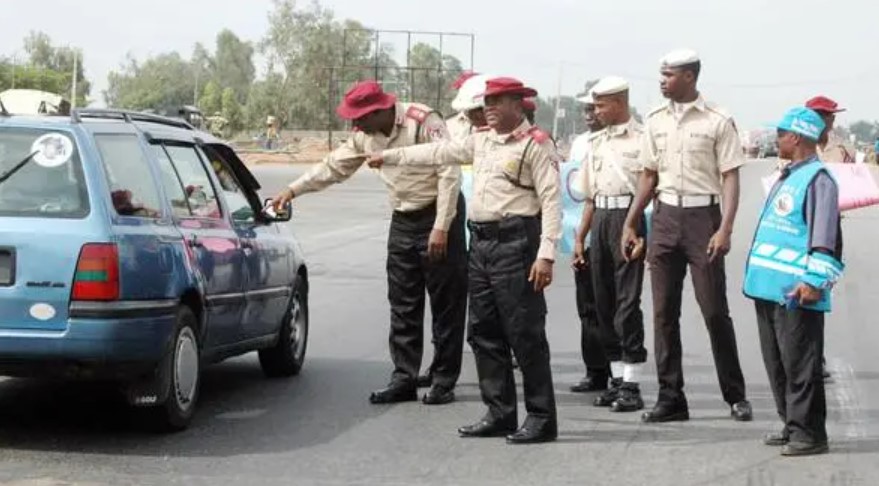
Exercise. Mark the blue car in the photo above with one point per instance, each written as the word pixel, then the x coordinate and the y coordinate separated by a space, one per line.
pixel 134 248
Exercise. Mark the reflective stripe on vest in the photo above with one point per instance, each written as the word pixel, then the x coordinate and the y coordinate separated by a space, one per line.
pixel 779 258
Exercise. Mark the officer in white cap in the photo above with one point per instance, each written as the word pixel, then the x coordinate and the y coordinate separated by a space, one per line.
pixel 691 159
pixel 591 340
pixel 612 169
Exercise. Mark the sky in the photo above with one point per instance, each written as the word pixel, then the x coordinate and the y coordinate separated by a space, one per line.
pixel 760 57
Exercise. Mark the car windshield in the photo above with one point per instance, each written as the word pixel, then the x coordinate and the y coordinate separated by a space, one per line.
pixel 50 184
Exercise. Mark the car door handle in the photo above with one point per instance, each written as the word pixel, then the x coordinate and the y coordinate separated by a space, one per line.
pixel 194 242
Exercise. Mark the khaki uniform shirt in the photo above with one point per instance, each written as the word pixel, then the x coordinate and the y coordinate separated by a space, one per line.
pixel 459 126
pixel 496 163
pixel 836 150
pixel 690 151
pixel 620 145
pixel 410 188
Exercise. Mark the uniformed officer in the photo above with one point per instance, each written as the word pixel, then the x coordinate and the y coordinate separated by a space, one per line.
pixel 591 344
pixel 612 171
pixel 794 262
pixel 468 102
pixel 426 248
pixel 691 159
pixel 461 124
pixel 515 221
pixel 830 148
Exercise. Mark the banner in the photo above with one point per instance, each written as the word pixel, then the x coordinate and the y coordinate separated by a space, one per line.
pixel 857 188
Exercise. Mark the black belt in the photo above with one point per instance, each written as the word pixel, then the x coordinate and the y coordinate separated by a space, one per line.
pixel 507 229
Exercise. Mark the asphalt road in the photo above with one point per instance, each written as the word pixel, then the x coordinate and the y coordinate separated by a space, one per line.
pixel 319 428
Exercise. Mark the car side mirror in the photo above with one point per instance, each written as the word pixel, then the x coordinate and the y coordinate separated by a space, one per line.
pixel 269 214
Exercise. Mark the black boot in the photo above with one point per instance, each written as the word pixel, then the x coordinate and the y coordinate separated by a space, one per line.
pixel 629 399
pixel 610 395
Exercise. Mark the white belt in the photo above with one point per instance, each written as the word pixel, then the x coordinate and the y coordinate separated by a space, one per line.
pixel 613 202
pixel 683 201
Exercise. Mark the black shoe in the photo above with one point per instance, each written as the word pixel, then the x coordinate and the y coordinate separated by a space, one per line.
pixel 394 393
pixel 741 411
pixel 667 412
pixel 424 381
pixel 591 383
pixel 439 395
pixel 794 448
pixel 488 427
pixel 629 399
pixel 610 395
pixel 535 430
pixel 777 439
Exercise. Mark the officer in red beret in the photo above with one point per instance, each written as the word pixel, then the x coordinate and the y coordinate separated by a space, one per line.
pixel 830 148
pixel 515 223
pixel 428 213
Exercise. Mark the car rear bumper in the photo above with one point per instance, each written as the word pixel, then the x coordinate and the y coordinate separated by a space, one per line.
pixel 100 338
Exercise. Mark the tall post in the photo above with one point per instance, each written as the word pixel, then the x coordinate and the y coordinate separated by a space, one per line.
pixel 330 110
pixel 410 96
pixel 558 101
pixel 377 40
pixel 75 75
pixel 439 75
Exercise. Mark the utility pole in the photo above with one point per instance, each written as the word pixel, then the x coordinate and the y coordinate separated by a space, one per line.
pixel 558 101
pixel 75 75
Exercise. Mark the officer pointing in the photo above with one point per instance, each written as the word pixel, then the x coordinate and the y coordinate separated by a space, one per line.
pixel 515 221
pixel 691 159
pixel 426 248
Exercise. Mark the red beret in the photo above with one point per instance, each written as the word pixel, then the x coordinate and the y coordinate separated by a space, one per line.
pixel 364 98
pixel 823 103
pixel 507 86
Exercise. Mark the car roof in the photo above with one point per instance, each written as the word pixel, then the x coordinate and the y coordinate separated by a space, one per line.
pixel 154 127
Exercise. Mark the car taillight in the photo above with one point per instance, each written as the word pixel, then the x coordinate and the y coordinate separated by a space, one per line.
pixel 97 273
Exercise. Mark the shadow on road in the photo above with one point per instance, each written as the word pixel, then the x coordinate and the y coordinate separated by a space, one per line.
pixel 240 412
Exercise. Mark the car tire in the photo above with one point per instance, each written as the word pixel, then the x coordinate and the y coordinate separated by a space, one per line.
pixel 183 362
pixel 287 356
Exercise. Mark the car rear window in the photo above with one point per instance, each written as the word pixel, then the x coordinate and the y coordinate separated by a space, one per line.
pixel 51 184
pixel 128 174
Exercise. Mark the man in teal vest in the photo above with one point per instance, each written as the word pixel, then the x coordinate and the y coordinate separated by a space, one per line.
pixel 794 262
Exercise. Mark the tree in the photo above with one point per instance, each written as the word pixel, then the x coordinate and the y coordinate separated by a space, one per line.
pixel 163 83
pixel 233 64
pixel 59 62
pixel 231 109
pixel 432 76
pixel 212 98
pixel 864 131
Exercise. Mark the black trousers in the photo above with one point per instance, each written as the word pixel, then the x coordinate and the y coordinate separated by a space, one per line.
pixel 507 314
pixel 591 339
pixel 680 238
pixel 792 342
pixel 410 273
pixel 618 285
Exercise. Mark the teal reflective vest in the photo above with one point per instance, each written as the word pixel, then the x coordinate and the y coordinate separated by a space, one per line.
pixel 779 259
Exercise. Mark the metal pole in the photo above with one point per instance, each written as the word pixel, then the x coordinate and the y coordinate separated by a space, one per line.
pixel 558 100
pixel 376 55
pixel 195 89
pixel 330 111
pixel 410 95
pixel 439 75
pixel 472 50
pixel 73 87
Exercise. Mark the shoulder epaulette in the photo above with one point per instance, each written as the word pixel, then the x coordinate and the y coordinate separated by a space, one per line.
pixel 417 114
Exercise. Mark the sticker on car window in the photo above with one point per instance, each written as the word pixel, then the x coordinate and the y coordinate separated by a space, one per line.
pixel 52 150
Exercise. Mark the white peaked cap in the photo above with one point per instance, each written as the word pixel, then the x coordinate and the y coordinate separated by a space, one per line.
pixel 679 57
pixel 468 96
pixel 610 85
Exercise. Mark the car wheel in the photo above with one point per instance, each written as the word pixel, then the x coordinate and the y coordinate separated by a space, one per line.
pixel 183 364
pixel 287 356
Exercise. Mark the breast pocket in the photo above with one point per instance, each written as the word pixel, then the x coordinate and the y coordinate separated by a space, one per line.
pixel 699 148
